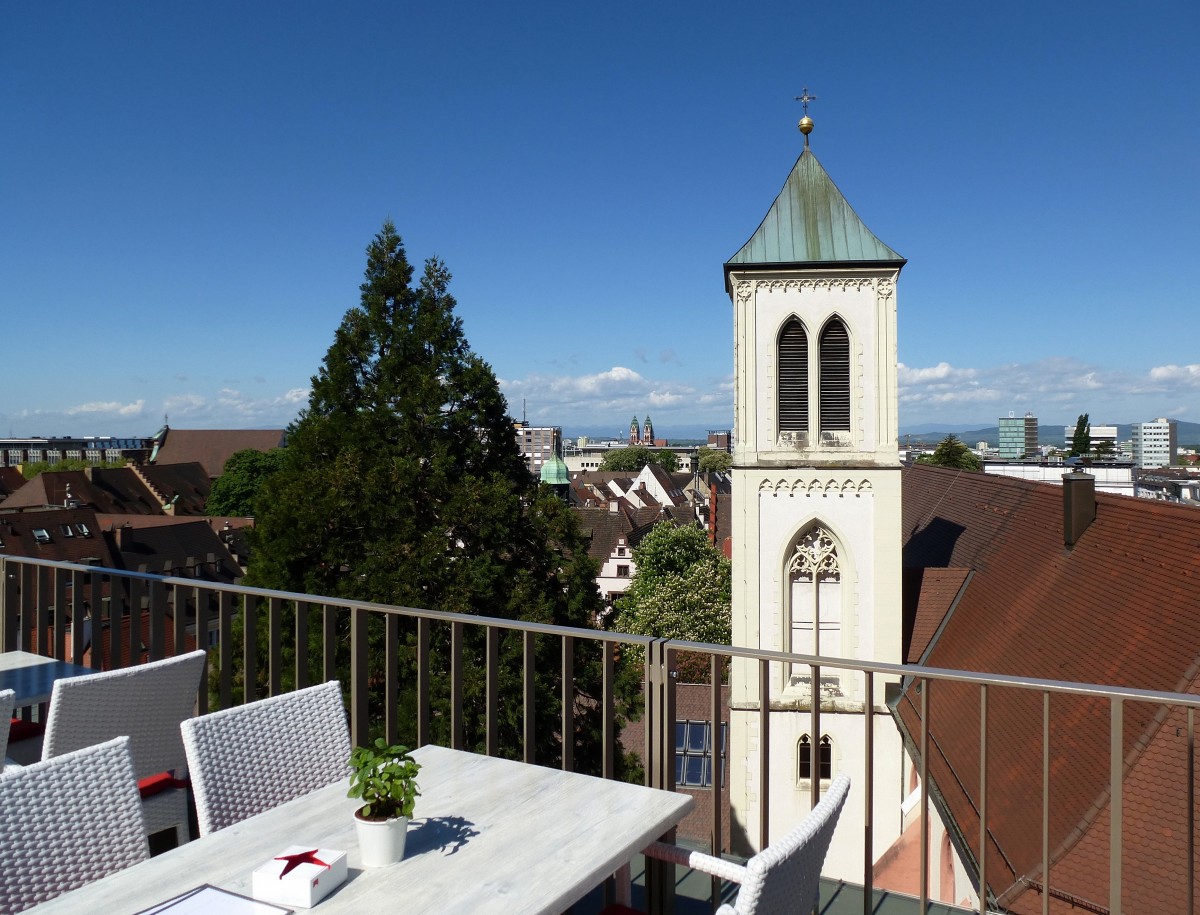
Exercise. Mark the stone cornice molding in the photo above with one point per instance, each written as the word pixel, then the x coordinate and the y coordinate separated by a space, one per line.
pixel 814 486
pixel 883 285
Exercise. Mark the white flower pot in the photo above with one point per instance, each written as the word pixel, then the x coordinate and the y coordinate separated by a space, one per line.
pixel 381 842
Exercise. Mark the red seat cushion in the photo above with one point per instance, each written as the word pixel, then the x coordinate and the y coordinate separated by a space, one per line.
pixel 157 784
pixel 20 729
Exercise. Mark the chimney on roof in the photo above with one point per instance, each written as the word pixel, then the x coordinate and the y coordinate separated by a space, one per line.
pixel 1079 505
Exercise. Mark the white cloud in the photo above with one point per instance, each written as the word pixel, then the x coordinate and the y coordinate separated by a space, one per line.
pixel 939 372
pixel 109 407
pixel 1185 375
pixel 616 394
pixel 1058 388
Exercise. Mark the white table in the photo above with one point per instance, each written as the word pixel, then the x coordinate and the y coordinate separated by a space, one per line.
pixel 32 676
pixel 490 835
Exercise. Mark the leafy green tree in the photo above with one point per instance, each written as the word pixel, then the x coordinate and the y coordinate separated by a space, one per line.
pixel 1081 439
pixel 402 483
pixel 1106 450
pixel 711 460
pixel 635 457
pixel 950 452
pixel 681 589
pixel 234 491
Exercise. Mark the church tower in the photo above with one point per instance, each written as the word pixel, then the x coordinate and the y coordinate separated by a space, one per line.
pixel 634 430
pixel 648 431
pixel 816 506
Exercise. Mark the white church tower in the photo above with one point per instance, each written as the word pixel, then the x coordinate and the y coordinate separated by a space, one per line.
pixel 816 509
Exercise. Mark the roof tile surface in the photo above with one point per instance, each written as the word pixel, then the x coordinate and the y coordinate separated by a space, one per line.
pixel 1122 606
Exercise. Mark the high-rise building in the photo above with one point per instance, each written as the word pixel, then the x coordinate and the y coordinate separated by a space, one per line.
pixel 538 444
pixel 1018 436
pixel 1155 444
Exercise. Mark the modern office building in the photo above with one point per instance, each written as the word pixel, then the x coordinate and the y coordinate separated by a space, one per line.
pixel 538 444
pixel 1099 435
pixel 1155 443
pixel 1018 436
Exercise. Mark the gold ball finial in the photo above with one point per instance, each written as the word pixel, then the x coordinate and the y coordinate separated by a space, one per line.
pixel 806 123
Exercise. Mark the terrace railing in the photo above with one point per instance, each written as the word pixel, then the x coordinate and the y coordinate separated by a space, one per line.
pixel 483 684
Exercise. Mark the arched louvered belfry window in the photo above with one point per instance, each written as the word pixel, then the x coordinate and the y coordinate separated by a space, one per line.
pixel 835 377
pixel 793 377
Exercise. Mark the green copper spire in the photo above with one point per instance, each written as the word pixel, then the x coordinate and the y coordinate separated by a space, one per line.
pixel 810 222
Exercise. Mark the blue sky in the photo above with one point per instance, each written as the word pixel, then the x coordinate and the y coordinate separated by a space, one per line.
pixel 186 193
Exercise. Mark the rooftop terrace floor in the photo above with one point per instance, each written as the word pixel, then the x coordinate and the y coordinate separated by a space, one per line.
pixel 837 897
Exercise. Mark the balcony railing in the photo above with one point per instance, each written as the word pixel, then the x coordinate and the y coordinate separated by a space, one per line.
pixel 450 678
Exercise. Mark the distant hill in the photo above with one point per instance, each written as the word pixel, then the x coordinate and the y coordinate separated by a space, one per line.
pixel 1048 434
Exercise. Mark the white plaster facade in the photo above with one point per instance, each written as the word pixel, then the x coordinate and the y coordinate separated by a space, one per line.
pixel 616 571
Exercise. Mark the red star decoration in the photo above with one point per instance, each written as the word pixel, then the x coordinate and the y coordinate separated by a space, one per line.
pixel 294 861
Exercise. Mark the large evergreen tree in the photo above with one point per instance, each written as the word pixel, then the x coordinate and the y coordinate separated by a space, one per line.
pixel 402 483
pixel 950 452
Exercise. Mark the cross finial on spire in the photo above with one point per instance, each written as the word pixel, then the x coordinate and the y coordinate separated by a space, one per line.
pixel 805 99
pixel 806 123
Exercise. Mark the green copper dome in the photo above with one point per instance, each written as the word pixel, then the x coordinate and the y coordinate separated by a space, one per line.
pixel 810 222
pixel 554 472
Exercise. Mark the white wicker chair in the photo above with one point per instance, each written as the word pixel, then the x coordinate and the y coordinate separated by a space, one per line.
pixel 784 876
pixel 250 758
pixel 145 703
pixel 7 703
pixel 66 822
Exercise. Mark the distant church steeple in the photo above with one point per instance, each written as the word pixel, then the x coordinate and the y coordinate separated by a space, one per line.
pixel 648 432
pixel 634 430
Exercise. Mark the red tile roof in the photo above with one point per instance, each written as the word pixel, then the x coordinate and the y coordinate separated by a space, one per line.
pixel 1121 606
pixel 11 480
pixel 213 447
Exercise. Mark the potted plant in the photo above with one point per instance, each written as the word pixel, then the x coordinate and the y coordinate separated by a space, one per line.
pixel 383 778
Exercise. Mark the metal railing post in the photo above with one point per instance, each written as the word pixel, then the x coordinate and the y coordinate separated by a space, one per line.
pixel 1116 778
pixel 869 801
pixel 660 765
pixel 360 724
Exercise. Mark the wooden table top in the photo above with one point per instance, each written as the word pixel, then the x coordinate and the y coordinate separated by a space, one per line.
pixel 489 835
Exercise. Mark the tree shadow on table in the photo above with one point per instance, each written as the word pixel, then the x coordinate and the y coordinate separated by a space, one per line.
pixel 448 834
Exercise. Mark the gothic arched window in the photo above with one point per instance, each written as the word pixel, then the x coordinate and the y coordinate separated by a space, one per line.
pixel 814 577
pixel 824 759
pixel 793 377
pixel 835 377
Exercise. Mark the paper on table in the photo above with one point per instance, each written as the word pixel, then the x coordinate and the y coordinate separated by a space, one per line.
pixel 212 900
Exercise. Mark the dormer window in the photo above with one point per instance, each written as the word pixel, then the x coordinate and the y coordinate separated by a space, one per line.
pixel 66 530
pixel 41 535
pixel 83 530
